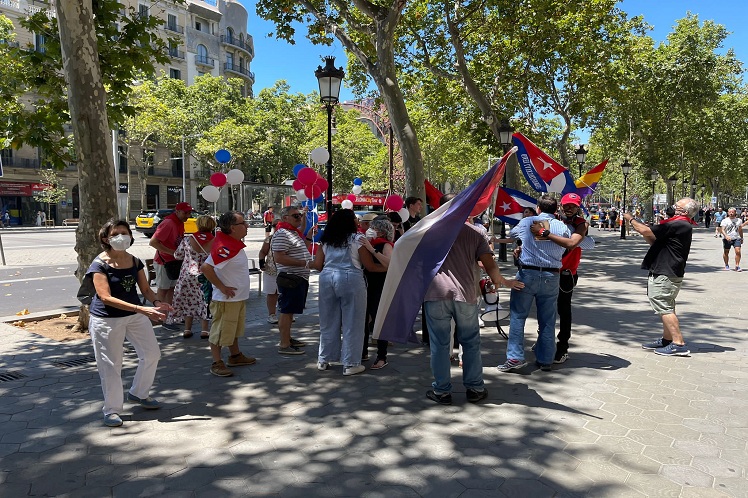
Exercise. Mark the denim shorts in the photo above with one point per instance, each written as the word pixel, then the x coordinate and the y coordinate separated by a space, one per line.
pixel 292 301
pixel 662 291
pixel 727 244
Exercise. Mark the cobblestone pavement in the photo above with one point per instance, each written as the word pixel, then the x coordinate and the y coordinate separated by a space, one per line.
pixel 614 420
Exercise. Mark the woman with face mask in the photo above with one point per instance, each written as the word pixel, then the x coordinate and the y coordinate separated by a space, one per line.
pixel 116 315
pixel 379 243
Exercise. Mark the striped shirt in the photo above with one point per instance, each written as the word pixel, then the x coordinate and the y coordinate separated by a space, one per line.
pixel 289 242
pixel 541 253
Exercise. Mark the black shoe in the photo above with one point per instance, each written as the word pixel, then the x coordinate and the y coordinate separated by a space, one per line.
pixel 474 396
pixel 545 367
pixel 442 399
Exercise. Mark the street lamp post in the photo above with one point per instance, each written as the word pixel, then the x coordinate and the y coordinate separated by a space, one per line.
pixel 581 156
pixel 329 78
pixel 626 169
pixel 505 135
pixel 654 175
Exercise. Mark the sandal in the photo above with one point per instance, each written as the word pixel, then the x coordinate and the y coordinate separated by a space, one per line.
pixel 379 364
pixel 204 334
pixel 187 334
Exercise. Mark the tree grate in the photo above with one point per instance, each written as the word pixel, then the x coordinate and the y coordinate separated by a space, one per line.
pixel 9 376
pixel 77 362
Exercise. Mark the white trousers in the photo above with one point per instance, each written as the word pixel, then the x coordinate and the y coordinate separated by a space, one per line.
pixel 108 336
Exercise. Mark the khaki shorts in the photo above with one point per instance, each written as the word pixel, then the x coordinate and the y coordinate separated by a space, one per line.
pixel 228 322
pixel 662 291
pixel 162 280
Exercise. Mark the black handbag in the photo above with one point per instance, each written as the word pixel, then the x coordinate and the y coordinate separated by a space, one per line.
pixel 289 280
pixel 87 291
pixel 173 268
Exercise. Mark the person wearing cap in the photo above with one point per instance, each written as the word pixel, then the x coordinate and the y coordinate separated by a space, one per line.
pixel 568 277
pixel 167 238
pixel 365 221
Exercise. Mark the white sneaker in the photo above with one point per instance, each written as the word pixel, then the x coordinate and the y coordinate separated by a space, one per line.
pixel 356 369
pixel 322 366
pixel 272 318
pixel 481 324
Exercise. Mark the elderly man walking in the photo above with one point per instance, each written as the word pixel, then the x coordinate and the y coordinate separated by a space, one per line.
pixel 670 243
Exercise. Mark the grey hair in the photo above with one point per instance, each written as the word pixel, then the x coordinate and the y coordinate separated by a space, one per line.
pixel 288 209
pixel 385 226
pixel 691 206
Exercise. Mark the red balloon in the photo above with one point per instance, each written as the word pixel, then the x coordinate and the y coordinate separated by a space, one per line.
pixel 352 198
pixel 218 179
pixel 316 191
pixel 297 185
pixel 307 176
pixel 322 183
pixel 394 202
pixel 308 192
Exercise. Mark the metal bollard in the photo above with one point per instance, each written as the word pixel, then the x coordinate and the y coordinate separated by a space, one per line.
pixel 2 251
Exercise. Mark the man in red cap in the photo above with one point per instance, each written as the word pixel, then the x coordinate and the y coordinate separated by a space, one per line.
pixel 166 240
pixel 570 206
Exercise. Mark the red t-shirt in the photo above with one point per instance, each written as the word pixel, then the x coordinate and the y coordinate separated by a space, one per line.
pixel 170 233
pixel 268 217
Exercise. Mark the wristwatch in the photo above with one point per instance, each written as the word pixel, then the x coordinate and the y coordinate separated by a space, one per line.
pixel 545 233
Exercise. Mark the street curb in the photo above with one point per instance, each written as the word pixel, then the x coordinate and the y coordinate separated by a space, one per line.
pixel 41 315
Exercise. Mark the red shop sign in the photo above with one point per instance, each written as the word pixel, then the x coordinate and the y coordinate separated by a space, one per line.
pixel 19 189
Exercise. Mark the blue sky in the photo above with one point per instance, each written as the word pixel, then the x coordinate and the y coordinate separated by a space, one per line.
pixel 276 59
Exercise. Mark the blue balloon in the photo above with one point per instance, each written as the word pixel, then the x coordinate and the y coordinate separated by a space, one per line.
pixel 319 199
pixel 298 168
pixel 358 181
pixel 223 156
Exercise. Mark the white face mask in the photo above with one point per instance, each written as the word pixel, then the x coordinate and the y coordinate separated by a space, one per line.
pixel 120 242
pixel 371 233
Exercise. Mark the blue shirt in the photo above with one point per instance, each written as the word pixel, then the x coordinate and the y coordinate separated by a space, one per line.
pixel 541 253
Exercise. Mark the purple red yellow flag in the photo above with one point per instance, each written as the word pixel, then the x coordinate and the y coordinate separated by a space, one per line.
pixel 587 184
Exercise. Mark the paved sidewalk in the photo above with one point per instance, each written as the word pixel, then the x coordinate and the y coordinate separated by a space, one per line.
pixel 614 420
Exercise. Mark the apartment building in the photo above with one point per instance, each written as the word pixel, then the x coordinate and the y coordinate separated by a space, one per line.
pixel 211 38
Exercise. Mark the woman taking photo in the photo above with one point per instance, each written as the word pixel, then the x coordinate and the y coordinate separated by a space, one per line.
pixel 342 292
pixel 382 233
pixel 116 315
pixel 189 300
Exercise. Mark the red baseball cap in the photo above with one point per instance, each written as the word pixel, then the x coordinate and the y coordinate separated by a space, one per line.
pixel 183 206
pixel 571 199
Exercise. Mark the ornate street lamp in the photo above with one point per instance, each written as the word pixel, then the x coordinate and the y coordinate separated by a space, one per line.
pixel 581 156
pixel 626 169
pixel 329 78
pixel 505 135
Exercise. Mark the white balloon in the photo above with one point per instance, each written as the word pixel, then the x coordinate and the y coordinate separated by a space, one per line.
pixel 235 177
pixel 210 193
pixel 404 214
pixel 300 195
pixel 356 189
pixel 320 155
pixel 346 204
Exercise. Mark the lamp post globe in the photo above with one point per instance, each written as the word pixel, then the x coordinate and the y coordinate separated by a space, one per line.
pixel 626 169
pixel 329 79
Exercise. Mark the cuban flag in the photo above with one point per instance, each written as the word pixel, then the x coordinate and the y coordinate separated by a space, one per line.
pixel 420 252
pixel 542 172
pixel 510 204
pixel 587 184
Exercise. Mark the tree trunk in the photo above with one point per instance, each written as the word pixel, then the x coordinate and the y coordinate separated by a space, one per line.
pixel 93 142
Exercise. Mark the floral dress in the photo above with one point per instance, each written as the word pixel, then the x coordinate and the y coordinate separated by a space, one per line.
pixel 188 295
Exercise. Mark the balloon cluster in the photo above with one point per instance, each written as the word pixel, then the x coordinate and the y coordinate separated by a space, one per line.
pixel 395 203
pixel 357 188
pixel 211 192
pixel 309 185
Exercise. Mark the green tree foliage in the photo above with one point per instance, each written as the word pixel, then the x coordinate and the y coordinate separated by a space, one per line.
pixel 53 192
pixel 128 45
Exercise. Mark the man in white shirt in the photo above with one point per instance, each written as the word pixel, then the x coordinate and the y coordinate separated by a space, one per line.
pixel 731 229
pixel 226 268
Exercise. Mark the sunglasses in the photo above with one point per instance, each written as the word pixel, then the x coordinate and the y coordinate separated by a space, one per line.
pixel 296 216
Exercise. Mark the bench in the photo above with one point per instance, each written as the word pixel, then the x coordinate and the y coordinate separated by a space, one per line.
pixel 67 222
pixel 255 270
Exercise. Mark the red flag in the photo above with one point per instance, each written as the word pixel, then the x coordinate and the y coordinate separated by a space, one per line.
pixel 225 247
pixel 433 196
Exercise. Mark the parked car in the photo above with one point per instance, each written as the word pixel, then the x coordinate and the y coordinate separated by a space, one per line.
pixel 147 221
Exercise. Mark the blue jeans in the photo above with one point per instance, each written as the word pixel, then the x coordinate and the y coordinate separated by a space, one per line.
pixel 342 308
pixel 542 287
pixel 439 316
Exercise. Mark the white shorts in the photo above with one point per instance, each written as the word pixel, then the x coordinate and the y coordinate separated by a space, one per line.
pixel 162 280
pixel 269 285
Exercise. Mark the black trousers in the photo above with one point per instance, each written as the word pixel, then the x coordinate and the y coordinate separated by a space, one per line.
pixel 566 285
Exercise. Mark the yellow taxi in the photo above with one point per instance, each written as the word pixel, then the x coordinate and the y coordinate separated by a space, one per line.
pixel 147 222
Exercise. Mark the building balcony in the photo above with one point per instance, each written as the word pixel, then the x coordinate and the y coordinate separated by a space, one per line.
pixel 174 28
pixel 30 7
pixel 235 68
pixel 205 61
pixel 175 53
pixel 235 42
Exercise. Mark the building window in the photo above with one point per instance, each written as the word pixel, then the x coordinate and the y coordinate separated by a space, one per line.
pixel 176 166
pixel 142 10
pixel 40 41
pixel 229 35
pixel 241 64
pixel 202 54
pixel 171 22
pixel 148 160
pixel 229 60
pixel 175 73
pixel 6 157
pixel 198 25
pixel 122 151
